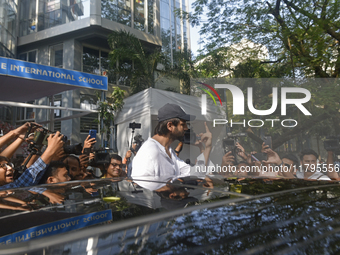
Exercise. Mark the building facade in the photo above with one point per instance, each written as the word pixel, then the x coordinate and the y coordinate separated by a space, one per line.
pixel 72 34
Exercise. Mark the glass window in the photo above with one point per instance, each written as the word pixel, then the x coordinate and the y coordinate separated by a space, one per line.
pixel 139 14
pixel 89 121
pixel 30 56
pixel 117 10
pixel 125 70
pixel 27 17
pixel 91 60
pixel 24 114
pixel 23 56
pixel 50 13
pixel 56 55
pixel 8 16
pixel 57 102
pixel 165 10
pixel 30 113
pixel 107 69
pixel 98 62
pixel 151 16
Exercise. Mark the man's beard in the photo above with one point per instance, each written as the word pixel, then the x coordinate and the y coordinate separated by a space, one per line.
pixel 178 137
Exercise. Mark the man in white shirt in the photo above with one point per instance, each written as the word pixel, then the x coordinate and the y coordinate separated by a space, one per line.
pixel 156 157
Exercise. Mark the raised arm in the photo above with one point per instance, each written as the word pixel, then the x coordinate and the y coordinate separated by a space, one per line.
pixel 16 133
pixel 206 138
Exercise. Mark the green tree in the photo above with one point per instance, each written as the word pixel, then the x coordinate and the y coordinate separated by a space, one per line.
pixel 126 48
pixel 304 35
pixel 302 39
pixel 184 69
pixel 109 107
pixel 142 67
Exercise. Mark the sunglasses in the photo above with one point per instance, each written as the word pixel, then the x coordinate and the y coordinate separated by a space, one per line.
pixel 6 165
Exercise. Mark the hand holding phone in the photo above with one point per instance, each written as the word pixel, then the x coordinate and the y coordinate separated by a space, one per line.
pixel 93 133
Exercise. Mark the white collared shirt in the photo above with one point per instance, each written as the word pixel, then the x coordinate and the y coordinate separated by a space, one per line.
pixel 152 160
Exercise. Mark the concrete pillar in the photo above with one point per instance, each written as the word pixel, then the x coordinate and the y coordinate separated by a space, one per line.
pixel 71 60
pixel 44 55
pixel 95 12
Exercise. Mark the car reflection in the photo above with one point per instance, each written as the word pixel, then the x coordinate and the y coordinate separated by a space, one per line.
pixel 180 209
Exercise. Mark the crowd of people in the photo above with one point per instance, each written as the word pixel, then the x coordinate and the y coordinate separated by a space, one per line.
pixel 155 159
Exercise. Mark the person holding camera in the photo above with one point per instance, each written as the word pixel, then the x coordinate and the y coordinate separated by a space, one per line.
pixel 156 157
pixel 33 174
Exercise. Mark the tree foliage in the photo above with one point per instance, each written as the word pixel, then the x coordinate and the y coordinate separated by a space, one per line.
pixel 126 48
pixel 142 67
pixel 109 107
pixel 302 38
pixel 302 34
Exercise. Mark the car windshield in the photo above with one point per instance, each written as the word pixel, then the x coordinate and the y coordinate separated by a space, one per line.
pixel 188 213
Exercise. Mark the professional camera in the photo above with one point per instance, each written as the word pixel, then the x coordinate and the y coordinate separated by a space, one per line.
pixel 73 149
pixel 101 156
pixel 135 125
pixel 332 143
pixel 139 141
pixel 229 144
pixel 40 140
pixel 190 137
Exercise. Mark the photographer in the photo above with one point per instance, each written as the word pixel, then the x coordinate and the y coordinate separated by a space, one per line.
pixel 33 173
pixel 18 133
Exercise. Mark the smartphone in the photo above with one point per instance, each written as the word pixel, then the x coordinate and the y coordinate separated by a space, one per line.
pixel 268 141
pixel 87 151
pixel 93 133
pixel 258 157
pixel 228 145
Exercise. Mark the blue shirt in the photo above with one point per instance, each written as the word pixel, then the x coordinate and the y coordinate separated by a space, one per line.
pixel 29 177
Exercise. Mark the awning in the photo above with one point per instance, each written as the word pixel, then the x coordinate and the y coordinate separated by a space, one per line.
pixel 22 81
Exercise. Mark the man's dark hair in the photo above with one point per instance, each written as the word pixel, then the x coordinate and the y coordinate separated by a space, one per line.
pixel 293 158
pixel 2 158
pixel 162 128
pixel 113 156
pixel 51 170
pixel 308 152
pixel 116 157
pixel 67 159
pixel 166 193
